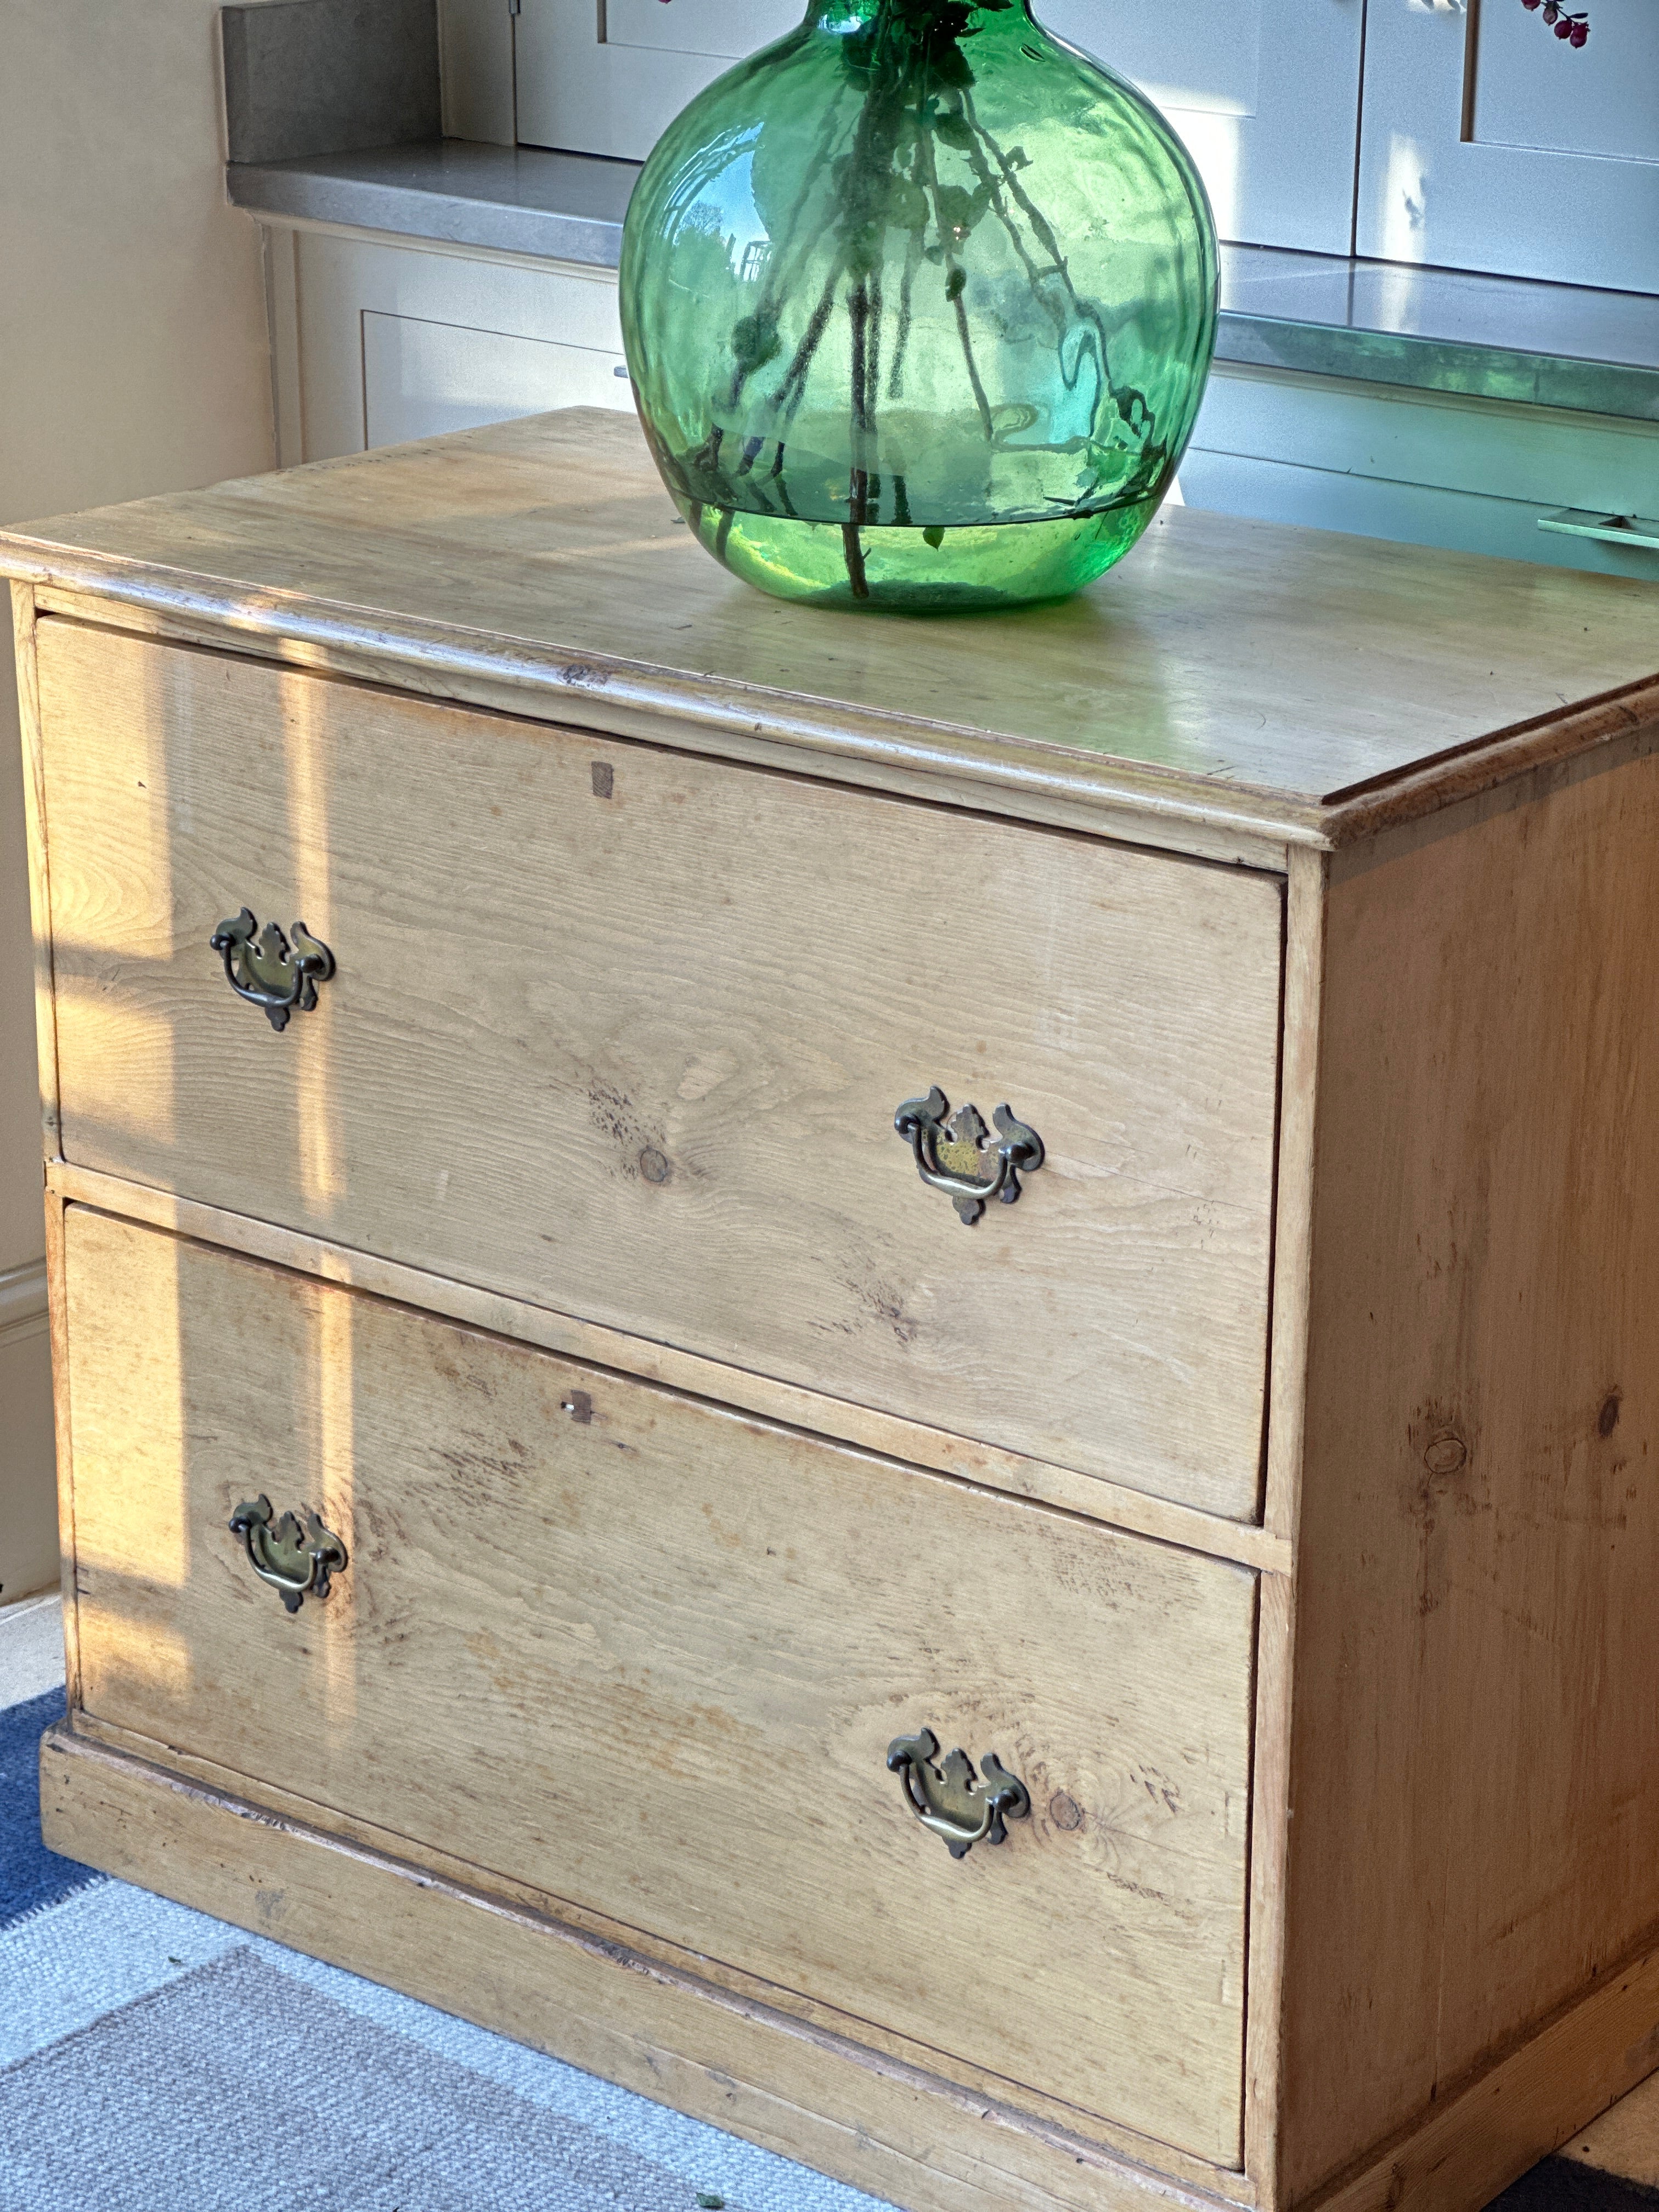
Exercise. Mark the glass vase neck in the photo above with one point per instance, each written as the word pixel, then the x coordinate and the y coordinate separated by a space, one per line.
pixel 850 15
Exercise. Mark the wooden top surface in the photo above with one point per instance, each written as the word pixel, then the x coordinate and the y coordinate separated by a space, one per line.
pixel 1315 685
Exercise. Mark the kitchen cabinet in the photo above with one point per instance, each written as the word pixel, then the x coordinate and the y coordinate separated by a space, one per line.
pixel 1265 92
pixel 1487 143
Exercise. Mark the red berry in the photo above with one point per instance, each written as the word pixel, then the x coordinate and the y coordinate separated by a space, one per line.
pixel 1564 30
pixel 1551 10
pixel 1580 33
pixel 1532 6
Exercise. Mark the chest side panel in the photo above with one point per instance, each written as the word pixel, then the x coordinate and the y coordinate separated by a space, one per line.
pixel 1476 1739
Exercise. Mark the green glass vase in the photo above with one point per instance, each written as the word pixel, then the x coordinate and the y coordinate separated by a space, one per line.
pixel 919 303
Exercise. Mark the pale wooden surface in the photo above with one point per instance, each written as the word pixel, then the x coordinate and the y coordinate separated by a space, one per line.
pixel 1271 1808
pixel 1222 659
pixel 1475 1772
pixel 45 1037
pixel 879 2124
pixel 637 1057
pixel 618 1656
pixel 57 1320
pixel 941 766
pixel 1455 1721
pixel 30 1501
pixel 1137 1511
pixel 904 2135
pixel 1625 2141
pixel 1048 2119
pixel 35 820
pixel 1467 2148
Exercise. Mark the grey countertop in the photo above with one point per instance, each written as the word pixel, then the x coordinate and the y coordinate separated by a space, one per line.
pixel 516 199
pixel 1442 330
pixel 1492 338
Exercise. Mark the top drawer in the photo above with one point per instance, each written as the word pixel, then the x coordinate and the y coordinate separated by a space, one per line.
pixel 622 1032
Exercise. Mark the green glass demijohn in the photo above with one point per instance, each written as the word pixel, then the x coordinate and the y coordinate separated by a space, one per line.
pixel 919 303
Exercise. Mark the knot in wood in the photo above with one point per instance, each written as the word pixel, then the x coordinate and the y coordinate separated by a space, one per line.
pixel 1446 1453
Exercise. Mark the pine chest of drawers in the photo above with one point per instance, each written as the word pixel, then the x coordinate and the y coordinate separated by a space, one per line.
pixel 585 1498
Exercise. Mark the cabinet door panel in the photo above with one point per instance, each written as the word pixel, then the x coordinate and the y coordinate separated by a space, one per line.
pixel 1265 92
pixel 1533 96
pixel 1489 144
pixel 421 379
pixel 393 341
pixel 699 29
pixel 608 76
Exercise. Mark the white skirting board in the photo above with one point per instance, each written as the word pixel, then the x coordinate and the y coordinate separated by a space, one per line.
pixel 22 1302
pixel 31 1648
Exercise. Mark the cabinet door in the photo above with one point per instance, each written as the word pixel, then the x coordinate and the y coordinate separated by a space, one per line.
pixel 380 339
pixel 1265 92
pixel 423 377
pixel 607 76
pixel 1487 143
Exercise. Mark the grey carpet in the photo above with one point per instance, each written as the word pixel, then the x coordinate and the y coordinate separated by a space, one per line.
pixel 237 2087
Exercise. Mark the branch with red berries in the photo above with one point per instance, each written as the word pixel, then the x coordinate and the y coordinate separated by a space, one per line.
pixel 1573 27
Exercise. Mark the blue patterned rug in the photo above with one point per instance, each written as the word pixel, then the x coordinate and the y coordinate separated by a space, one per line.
pixel 153 2059
pixel 31 1876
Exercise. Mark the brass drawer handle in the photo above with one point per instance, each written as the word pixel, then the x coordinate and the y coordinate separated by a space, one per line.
pixel 947 1799
pixel 261 968
pixel 949 1155
pixel 296 1562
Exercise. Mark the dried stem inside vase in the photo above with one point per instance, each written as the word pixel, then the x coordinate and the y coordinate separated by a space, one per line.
pixel 912 64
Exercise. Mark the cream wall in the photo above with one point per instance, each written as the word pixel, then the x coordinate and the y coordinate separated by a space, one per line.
pixel 133 359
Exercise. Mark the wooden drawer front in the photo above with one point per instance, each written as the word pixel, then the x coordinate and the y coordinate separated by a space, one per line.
pixel 636 1056
pixel 647 1655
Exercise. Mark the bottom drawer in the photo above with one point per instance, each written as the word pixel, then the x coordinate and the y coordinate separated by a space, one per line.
pixel 649 1655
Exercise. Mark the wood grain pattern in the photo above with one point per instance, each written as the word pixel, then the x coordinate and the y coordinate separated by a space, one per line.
pixel 57 1321
pixel 1241 659
pixel 1445 1723
pixel 939 765
pixel 1271 1810
pixel 881 2126
pixel 687 1638
pixel 40 864
pixel 1270 1934
pixel 886 2129
pixel 1467 2151
pixel 45 1046
pixel 1475 1773
pixel 1623 2141
pixel 637 1057
pixel 1135 1511
pixel 1307 891
pixel 1047 2118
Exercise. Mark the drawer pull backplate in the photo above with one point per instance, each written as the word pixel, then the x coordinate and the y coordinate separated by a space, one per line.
pixel 261 966
pixel 949 1801
pixel 950 1154
pixel 297 1562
